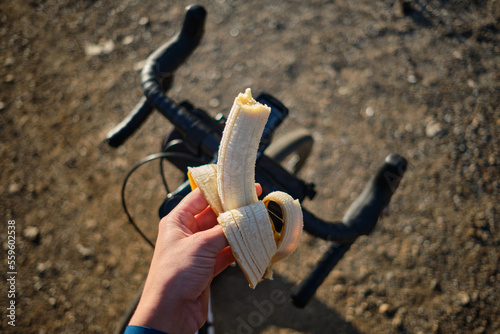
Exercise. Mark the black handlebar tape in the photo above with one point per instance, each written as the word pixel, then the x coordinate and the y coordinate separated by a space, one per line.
pixel 117 136
pixel 159 69
pixel 174 198
pixel 165 60
pixel 364 212
pixel 360 218
pixel 331 231
pixel 303 293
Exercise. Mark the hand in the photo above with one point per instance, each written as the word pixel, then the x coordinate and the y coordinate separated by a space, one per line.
pixel 190 251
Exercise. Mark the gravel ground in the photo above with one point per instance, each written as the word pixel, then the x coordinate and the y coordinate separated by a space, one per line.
pixel 367 78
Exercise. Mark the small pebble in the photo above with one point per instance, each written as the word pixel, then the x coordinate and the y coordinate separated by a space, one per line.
pixel 128 40
pixel 214 103
pixel 457 54
pixel 435 286
pixel 41 268
pixel 14 188
pixel 84 251
pixel 234 32
pixel 398 135
pixel 433 129
pixel 343 91
pixel 384 308
pixel 139 65
pixel 369 112
pixel 38 285
pixel 31 233
pixel 492 160
pixel 100 269
pixel 399 317
pixel 338 288
pixel 479 330
pixel 398 320
pixel 143 21
pixel 9 78
pixel 9 61
pixel 52 301
pixel 463 298
pixel 103 48
pixel 90 223
pixel 106 283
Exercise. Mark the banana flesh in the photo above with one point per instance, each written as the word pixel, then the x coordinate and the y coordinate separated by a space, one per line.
pixel 238 152
pixel 229 188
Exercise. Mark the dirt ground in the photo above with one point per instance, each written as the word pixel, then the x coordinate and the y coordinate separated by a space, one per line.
pixel 367 78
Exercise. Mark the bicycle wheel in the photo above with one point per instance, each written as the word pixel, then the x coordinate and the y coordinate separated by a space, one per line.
pixel 291 150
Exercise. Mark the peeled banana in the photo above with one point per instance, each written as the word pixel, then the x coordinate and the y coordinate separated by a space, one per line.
pixel 229 188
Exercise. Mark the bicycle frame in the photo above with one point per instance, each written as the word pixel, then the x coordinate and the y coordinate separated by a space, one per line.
pixel 196 134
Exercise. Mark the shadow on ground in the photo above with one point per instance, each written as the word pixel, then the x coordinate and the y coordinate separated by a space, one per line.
pixel 268 308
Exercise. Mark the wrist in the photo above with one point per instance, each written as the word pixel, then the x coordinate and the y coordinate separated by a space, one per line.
pixel 161 309
pixel 131 329
pixel 153 317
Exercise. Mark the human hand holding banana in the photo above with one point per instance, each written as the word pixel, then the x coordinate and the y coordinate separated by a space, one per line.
pixel 229 188
pixel 190 247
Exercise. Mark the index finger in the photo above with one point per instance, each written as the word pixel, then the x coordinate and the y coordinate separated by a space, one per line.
pixel 185 212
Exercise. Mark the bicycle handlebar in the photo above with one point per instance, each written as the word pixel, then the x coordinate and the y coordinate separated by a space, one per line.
pixel 363 214
pixel 359 219
pixel 170 56
pixel 157 75
pixel 117 136
pixel 162 63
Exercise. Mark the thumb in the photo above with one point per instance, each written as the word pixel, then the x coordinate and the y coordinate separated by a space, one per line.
pixel 217 245
pixel 213 240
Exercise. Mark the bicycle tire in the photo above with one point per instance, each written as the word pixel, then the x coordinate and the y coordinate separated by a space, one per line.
pixel 291 150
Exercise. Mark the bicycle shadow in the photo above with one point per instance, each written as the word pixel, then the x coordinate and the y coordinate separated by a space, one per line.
pixel 241 310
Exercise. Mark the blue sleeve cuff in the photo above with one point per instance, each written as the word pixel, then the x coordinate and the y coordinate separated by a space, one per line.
pixel 142 330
